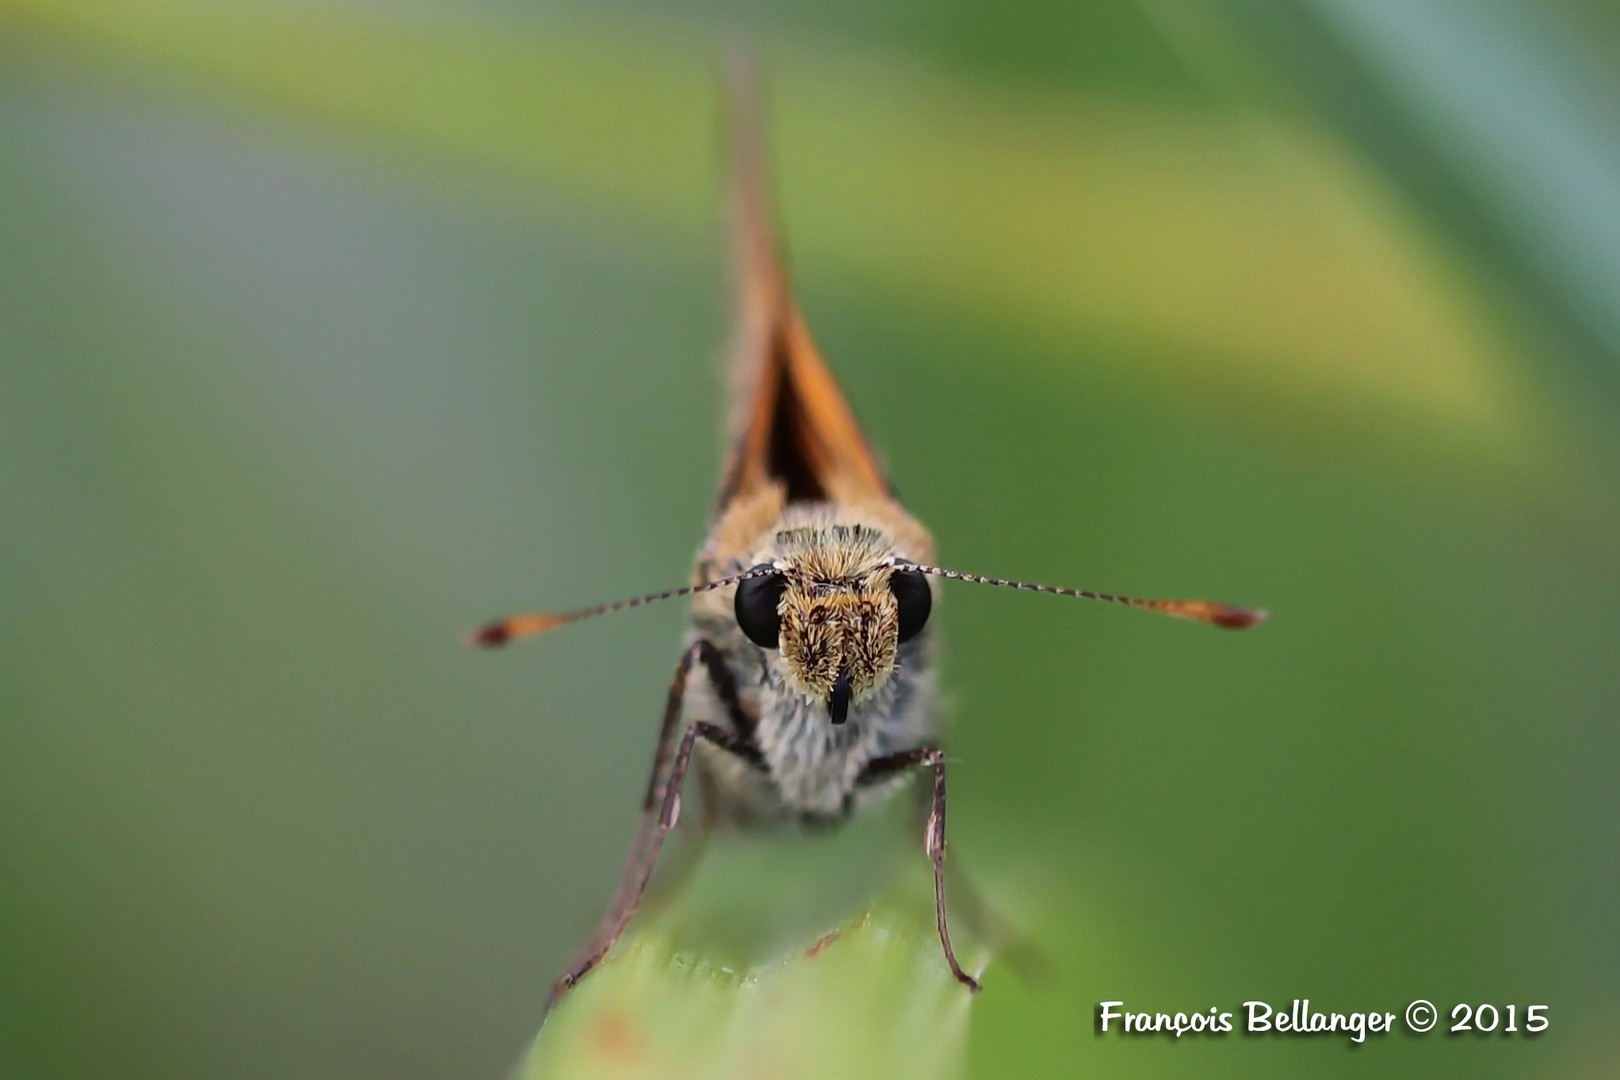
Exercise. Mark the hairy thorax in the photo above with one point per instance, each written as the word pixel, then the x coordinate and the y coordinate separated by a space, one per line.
pixel 835 620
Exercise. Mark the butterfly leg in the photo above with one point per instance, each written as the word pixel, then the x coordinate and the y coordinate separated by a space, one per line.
pixel 661 804
pixel 933 833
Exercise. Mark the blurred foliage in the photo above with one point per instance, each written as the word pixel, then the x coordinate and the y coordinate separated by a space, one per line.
pixel 330 328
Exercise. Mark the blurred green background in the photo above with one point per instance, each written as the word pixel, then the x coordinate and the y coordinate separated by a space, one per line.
pixel 330 328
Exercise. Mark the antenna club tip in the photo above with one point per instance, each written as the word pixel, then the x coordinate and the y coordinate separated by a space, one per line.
pixel 492 636
pixel 501 631
pixel 1236 618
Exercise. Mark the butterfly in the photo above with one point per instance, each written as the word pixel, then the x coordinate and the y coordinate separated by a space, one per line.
pixel 805 691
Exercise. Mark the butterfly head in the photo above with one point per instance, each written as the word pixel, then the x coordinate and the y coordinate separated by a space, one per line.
pixel 831 607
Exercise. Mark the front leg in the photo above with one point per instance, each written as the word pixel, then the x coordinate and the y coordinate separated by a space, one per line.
pixel 662 801
pixel 884 768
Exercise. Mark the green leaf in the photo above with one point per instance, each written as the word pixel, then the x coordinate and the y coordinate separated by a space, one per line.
pixel 790 976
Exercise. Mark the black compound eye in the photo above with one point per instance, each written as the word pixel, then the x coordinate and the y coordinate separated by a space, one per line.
pixel 757 603
pixel 911 592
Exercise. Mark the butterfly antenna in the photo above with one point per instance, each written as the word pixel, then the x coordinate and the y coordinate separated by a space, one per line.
pixel 1229 616
pixel 504 630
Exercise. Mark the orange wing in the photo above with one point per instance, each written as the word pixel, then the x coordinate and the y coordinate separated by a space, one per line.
pixel 790 423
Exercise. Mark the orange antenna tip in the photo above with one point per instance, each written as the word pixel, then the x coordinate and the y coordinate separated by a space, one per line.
pixel 1236 618
pixel 501 631
pixel 1229 616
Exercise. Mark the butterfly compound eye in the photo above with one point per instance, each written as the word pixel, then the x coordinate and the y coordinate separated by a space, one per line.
pixel 911 593
pixel 757 602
